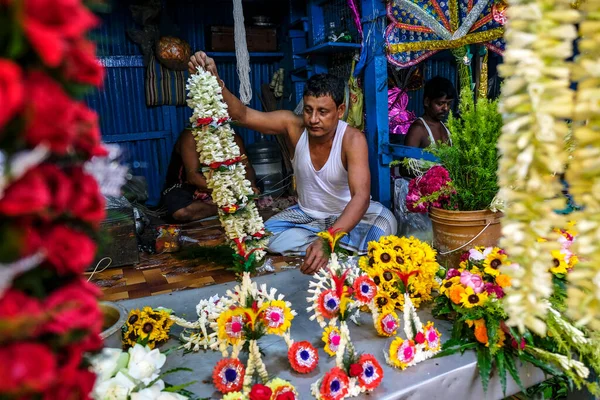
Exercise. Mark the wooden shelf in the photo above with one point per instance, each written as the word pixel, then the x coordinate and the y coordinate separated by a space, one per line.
pixel 227 54
pixel 331 47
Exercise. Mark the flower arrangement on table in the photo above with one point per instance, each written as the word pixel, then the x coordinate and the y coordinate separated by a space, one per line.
pixel 51 204
pixel 222 165
pixel 134 374
pixel 390 258
pixel 472 296
pixel 148 327
pixel 276 389
pixel 236 322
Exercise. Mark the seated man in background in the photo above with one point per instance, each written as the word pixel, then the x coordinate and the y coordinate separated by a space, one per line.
pixel 430 129
pixel 331 165
pixel 186 194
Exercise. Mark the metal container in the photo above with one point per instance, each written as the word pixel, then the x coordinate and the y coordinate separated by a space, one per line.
pixel 266 159
pixel 114 317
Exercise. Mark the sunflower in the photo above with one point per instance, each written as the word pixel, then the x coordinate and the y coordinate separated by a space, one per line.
pixel 560 262
pixel 130 336
pixel 402 352
pixel 149 331
pixel 277 317
pixel 383 301
pixel 573 260
pixel 447 284
pixel 331 337
pixel 470 299
pixel 493 261
pixel 231 325
pixel 387 324
pixel 384 257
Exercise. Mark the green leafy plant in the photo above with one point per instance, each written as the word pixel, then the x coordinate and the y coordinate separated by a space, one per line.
pixel 472 160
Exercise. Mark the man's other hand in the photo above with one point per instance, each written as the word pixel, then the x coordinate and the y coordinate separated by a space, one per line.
pixel 200 59
pixel 315 259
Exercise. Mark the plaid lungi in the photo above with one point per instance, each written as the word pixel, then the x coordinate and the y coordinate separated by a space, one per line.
pixel 293 230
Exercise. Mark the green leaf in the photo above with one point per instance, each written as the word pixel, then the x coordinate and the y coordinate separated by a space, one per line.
pixel 501 366
pixel 512 369
pixel 175 389
pixel 484 362
pixel 454 350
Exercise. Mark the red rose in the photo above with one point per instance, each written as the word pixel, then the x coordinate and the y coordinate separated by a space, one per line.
pixel 74 307
pixel 286 396
pixel 355 370
pixel 81 64
pixel 87 132
pixel 260 392
pixel 51 24
pixel 52 114
pixel 26 368
pixel 68 250
pixel 75 382
pixel 59 186
pixel 87 203
pixel 28 195
pixel 12 90
pixel 420 338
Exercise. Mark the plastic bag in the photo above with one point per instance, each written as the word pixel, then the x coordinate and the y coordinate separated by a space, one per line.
pixel 114 203
pixel 136 190
pixel 409 223
pixel 355 111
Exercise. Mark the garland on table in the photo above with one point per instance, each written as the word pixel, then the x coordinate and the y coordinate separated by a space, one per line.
pixel 237 321
pixel 536 101
pixel 582 174
pixel 148 327
pixel 472 294
pixel 390 260
pixel 50 203
pixel 222 165
pixel 276 389
pixel 134 375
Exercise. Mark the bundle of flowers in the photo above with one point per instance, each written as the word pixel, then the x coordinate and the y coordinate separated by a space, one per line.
pixel 433 189
pixel 276 389
pixel 392 257
pixel 224 170
pixel 148 327
pixel 134 374
pixel 50 205
pixel 236 322
pixel 472 296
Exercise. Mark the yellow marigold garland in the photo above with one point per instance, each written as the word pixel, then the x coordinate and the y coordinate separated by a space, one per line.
pixel 583 174
pixel 536 100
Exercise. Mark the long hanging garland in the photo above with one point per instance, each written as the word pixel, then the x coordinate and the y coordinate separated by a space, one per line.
pixel 536 101
pixel 222 165
pixel 584 170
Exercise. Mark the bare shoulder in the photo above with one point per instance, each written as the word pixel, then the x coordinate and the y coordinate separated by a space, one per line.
pixel 354 140
pixel 416 134
pixel 295 127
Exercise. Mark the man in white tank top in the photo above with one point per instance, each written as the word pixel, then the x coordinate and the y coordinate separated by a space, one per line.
pixel 428 130
pixel 331 165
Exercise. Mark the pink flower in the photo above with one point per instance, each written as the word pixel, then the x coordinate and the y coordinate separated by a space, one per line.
pixel 492 288
pixel 452 272
pixel 473 281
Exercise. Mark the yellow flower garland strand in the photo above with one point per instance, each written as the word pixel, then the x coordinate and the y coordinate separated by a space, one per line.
pixel 536 100
pixel 584 171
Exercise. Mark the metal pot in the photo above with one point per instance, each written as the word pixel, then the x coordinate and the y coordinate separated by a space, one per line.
pixel 114 317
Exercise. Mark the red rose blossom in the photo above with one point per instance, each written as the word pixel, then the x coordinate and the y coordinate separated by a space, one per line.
pixel 87 132
pixel 26 368
pixel 81 64
pixel 68 250
pixel 76 381
pixel 420 338
pixel 260 392
pixel 86 202
pixel 355 370
pixel 59 186
pixel 74 307
pixel 28 195
pixel 286 396
pixel 52 114
pixel 51 24
pixel 12 90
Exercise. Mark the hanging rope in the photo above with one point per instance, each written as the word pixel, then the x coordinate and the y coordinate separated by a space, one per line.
pixel 241 52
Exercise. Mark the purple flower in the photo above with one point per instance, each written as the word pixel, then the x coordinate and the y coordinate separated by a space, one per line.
pixel 492 288
pixel 452 272
pixel 473 281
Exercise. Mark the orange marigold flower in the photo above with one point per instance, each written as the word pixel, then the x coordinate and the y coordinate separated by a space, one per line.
pixel 455 293
pixel 503 280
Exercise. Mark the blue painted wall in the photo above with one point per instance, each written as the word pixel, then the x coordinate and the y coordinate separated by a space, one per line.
pixel 147 134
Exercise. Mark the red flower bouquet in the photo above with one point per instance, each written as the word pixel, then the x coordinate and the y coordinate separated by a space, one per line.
pixel 434 189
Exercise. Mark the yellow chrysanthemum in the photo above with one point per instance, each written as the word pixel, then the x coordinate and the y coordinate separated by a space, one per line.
pixel 470 299
pixel 277 317
pixel 231 325
pixel 279 387
pixel 493 262
pixel 331 337
pixel 234 396
pixel 559 261
pixel 447 284
pixel 395 348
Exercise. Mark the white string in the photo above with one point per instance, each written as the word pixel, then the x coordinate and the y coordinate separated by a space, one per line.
pixel 466 244
pixel 97 265
pixel 241 52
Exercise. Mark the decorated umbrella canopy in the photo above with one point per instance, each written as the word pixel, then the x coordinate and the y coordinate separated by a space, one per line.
pixel 421 28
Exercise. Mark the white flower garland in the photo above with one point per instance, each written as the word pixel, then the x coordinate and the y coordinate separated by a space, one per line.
pixel 222 165
pixel 536 101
